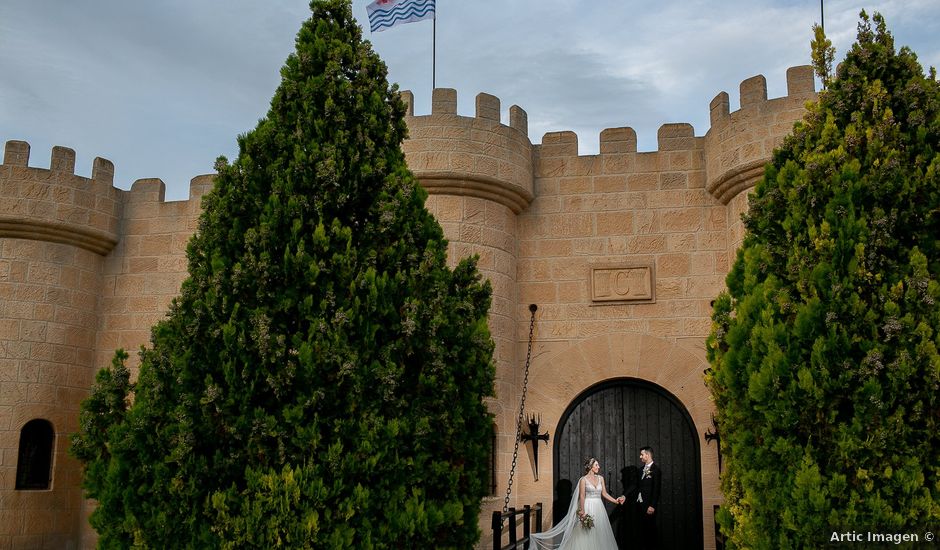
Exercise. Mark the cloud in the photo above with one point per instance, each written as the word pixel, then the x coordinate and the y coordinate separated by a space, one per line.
pixel 163 88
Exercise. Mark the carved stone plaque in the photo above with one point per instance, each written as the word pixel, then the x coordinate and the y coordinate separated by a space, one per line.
pixel 622 283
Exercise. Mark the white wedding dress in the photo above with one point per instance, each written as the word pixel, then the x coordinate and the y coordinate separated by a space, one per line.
pixel 568 534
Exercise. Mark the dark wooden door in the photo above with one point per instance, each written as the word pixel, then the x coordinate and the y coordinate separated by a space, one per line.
pixel 612 421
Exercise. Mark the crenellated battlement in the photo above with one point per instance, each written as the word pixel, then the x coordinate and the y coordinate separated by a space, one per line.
pixel 450 154
pixel 669 137
pixel 16 154
pixel 153 190
pixel 740 143
pixel 146 200
pixel 726 160
pixel 753 94
pixel 55 204
pixel 473 156
pixel 678 162
pixel 444 102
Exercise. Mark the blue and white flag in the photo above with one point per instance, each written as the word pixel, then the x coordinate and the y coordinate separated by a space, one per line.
pixel 385 14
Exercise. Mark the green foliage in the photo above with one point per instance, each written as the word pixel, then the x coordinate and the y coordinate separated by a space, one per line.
pixel 100 422
pixel 319 381
pixel 825 370
pixel 822 53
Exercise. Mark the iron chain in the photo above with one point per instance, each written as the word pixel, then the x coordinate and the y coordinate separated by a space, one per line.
pixel 525 384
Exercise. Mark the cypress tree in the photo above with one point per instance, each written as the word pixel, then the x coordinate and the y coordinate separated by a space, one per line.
pixel 318 382
pixel 825 370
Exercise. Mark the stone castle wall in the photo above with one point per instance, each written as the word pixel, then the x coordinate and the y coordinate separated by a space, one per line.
pixel 622 251
pixel 673 213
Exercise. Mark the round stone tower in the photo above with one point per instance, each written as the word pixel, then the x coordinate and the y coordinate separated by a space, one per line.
pixel 478 173
pixel 739 144
pixel 55 230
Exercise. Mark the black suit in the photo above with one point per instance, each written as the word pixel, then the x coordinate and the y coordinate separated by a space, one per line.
pixel 650 486
pixel 626 533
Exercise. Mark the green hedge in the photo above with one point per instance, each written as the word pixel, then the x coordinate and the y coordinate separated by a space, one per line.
pixel 825 370
pixel 319 381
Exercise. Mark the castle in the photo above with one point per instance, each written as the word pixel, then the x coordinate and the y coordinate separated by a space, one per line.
pixel 621 251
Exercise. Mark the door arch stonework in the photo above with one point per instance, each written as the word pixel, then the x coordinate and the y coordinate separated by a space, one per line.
pixel 612 421
pixel 562 371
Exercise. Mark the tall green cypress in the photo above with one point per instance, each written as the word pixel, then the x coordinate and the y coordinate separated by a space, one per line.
pixel 319 381
pixel 825 370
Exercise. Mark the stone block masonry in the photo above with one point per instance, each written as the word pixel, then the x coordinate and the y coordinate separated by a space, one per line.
pixel 622 251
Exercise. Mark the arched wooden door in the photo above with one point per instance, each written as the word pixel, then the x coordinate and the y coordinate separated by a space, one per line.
pixel 612 421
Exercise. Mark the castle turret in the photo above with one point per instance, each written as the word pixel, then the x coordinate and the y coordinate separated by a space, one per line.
pixel 478 173
pixel 55 229
pixel 739 144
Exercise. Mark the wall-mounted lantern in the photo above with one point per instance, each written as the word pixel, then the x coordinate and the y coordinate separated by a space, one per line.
pixel 534 436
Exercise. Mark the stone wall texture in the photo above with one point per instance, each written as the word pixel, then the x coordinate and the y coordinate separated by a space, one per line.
pixel 622 251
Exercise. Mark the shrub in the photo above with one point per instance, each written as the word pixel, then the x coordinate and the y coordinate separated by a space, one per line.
pixel 825 369
pixel 319 381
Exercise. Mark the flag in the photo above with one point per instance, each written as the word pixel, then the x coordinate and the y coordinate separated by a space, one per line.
pixel 385 14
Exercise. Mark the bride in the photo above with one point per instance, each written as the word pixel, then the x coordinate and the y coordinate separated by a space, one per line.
pixel 572 533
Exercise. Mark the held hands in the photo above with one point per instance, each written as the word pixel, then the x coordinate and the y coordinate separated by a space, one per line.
pixel 621 499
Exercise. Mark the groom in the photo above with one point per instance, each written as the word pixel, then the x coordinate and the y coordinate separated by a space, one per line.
pixel 647 500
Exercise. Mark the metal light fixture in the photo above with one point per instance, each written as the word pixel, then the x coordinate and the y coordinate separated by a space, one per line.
pixel 534 436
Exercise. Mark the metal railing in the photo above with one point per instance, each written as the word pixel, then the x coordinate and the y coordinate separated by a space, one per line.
pixel 510 518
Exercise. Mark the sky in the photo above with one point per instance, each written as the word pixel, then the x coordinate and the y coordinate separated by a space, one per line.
pixel 162 88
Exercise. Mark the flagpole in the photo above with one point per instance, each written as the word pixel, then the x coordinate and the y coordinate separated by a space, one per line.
pixel 822 17
pixel 434 53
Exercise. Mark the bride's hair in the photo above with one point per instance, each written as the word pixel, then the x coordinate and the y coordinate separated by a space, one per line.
pixel 589 464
